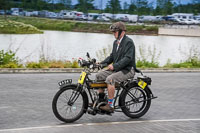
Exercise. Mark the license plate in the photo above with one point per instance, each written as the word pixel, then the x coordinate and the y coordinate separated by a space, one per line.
pixel 67 81
pixel 142 84
pixel 82 78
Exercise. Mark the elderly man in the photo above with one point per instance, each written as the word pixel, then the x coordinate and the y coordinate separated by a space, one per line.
pixel 121 63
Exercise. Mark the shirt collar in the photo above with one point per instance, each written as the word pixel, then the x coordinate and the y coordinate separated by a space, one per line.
pixel 119 41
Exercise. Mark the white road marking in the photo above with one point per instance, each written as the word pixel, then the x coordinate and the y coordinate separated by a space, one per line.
pixel 4 107
pixel 97 124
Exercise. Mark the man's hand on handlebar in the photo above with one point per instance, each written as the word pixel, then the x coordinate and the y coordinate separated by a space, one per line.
pixel 110 67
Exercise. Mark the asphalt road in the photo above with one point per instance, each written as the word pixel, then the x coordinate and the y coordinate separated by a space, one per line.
pixel 25 106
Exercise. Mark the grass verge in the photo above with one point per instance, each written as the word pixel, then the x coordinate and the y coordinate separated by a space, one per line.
pixel 13 27
pixel 69 25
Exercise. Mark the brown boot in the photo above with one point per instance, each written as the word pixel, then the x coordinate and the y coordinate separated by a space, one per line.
pixel 107 108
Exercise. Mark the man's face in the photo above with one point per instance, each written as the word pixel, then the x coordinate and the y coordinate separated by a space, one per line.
pixel 115 34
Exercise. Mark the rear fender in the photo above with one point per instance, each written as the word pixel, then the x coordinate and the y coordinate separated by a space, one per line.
pixel 134 84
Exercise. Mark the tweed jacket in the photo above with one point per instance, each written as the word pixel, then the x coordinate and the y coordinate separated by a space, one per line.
pixel 123 59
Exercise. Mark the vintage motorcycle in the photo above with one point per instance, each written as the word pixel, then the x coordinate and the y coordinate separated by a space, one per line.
pixel 132 97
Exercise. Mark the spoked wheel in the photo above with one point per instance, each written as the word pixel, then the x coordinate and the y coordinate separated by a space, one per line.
pixel 68 104
pixel 134 102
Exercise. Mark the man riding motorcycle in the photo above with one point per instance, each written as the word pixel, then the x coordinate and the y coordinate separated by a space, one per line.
pixel 121 64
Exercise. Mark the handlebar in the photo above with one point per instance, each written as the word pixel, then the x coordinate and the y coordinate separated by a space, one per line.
pixel 92 62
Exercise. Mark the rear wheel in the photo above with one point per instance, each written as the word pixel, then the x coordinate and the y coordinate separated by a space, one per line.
pixel 134 102
pixel 68 104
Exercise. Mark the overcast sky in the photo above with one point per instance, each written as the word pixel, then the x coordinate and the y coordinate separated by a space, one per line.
pixel 97 2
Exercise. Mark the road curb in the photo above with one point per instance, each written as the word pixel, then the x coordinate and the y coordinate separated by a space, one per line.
pixel 78 70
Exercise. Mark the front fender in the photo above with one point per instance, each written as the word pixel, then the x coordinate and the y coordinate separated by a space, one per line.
pixel 68 86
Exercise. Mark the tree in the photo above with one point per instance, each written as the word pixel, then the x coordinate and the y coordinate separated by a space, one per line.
pixel 160 7
pixel 132 8
pixel 66 3
pixel 5 5
pixel 164 7
pixel 113 6
pixel 125 7
pixel 84 5
pixel 158 11
pixel 196 5
pixel 168 7
pixel 142 7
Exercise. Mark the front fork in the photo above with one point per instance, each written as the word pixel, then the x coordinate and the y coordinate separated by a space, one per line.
pixel 75 95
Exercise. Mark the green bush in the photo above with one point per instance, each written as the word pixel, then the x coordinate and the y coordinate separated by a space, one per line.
pixel 7 57
pixel 37 65
pixel 185 64
pixel 147 57
pixel 9 60
pixel 68 64
pixel 56 64
pixel 53 64
pixel 134 28
pixel 191 62
pixel 146 64
pixel 12 65
pixel 75 64
pixel 32 65
pixel 151 28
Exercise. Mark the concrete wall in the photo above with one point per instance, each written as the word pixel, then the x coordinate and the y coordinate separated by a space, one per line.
pixel 179 32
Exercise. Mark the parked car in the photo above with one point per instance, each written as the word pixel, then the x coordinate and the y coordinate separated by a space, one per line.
pixel 52 15
pixel 189 21
pixel 68 15
pixel 133 18
pixel 15 13
pixel 121 17
pixel 147 18
pixel 92 16
pixel 108 15
pixel 85 17
pixel 159 18
pixel 2 12
pixel 103 18
pixel 180 21
pixel 195 21
pixel 169 18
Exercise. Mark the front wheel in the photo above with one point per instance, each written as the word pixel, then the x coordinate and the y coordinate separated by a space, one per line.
pixel 134 102
pixel 68 104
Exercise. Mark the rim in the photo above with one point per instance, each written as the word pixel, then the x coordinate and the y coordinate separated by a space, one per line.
pixel 135 100
pixel 67 110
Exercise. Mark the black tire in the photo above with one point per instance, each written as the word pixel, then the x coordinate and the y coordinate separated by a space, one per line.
pixel 134 103
pixel 63 109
